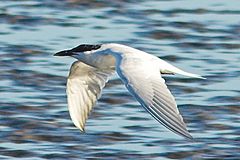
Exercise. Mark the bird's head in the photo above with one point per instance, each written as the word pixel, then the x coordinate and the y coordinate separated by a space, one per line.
pixel 77 51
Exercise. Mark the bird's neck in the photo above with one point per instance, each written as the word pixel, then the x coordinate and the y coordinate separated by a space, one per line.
pixel 97 60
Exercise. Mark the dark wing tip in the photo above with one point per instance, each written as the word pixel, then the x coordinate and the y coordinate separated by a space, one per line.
pixel 188 137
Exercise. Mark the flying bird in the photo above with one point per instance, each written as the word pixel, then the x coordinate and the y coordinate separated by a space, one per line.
pixel 139 71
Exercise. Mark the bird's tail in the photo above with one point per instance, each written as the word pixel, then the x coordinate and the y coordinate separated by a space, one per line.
pixel 168 68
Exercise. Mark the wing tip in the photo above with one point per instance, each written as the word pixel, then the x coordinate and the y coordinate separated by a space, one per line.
pixel 81 128
pixel 189 137
pixel 185 134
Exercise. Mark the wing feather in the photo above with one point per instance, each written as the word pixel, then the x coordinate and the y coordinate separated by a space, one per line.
pixel 84 85
pixel 144 82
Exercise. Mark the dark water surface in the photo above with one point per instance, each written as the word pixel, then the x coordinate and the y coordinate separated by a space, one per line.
pixel 197 36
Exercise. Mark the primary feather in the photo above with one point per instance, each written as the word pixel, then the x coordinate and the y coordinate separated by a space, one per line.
pixel 84 86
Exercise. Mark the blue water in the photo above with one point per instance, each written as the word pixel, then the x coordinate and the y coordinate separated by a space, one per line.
pixel 200 37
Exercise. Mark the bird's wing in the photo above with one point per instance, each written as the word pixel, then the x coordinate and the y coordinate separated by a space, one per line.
pixel 84 85
pixel 143 80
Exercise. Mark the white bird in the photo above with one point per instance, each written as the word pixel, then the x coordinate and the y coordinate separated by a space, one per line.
pixel 140 72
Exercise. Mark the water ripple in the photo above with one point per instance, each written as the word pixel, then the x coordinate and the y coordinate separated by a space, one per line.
pixel 198 37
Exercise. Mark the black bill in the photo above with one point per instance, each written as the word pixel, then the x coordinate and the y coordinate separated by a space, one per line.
pixel 64 53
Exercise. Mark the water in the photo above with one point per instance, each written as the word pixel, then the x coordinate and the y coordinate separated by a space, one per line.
pixel 201 37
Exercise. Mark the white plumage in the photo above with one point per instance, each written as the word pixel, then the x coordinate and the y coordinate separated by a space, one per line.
pixel 84 87
pixel 139 71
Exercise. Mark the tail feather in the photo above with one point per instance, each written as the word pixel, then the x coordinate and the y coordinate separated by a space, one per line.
pixel 168 68
pixel 189 74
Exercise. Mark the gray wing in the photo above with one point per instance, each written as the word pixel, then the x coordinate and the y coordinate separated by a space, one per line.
pixel 144 82
pixel 84 85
